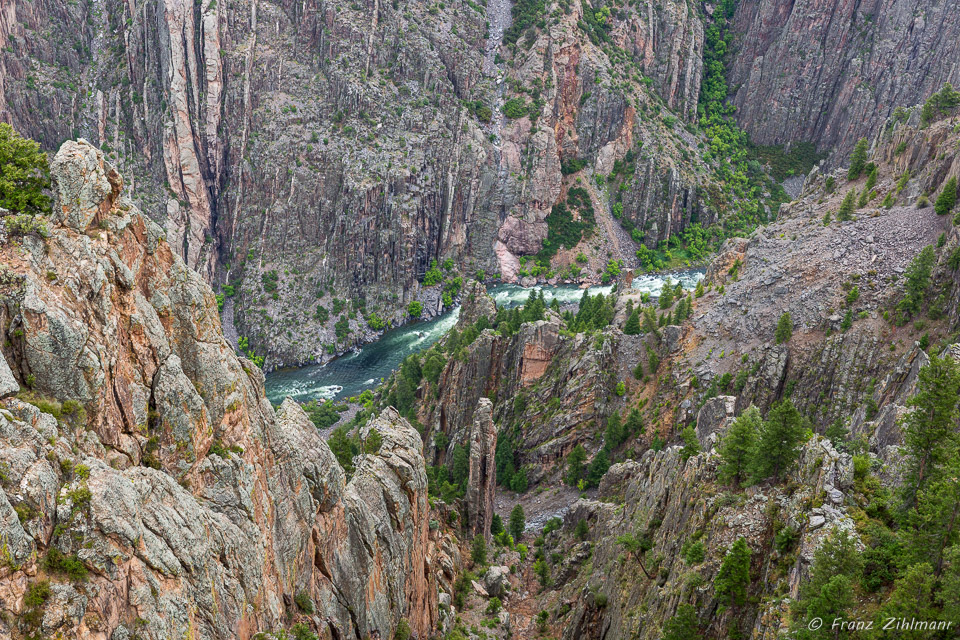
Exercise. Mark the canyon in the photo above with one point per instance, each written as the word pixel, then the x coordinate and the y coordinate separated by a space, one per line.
pixel 238 186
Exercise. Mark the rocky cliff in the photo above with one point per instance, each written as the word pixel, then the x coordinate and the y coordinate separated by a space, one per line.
pixel 149 489
pixel 831 71
pixel 306 155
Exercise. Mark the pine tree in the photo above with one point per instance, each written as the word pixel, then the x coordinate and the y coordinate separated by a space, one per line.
pixel 691 445
pixel 871 178
pixel 858 161
pixel 666 295
pixel 576 468
pixel 683 625
pixel 649 320
pixel 699 291
pixel 737 449
pixel 518 522
pixel 779 442
pixel 632 327
pixel 614 435
pixel 784 329
pixel 598 467
pixel 478 550
pixel 634 423
pixel 935 524
pixel 917 282
pixel 496 525
pixel 848 206
pixel 837 434
pixel 947 198
pixel 730 585
pixel 929 430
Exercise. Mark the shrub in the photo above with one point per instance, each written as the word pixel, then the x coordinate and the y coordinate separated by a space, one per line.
pixel 433 276
pixel 403 631
pixel 415 309
pixel 693 552
pixel 24 174
pixel 70 565
pixel 515 108
pixel 303 601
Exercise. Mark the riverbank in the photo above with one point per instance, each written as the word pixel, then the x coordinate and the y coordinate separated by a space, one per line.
pixel 365 367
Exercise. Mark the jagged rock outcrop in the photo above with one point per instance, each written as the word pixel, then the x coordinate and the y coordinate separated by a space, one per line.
pixel 713 419
pixel 147 477
pixel 671 502
pixel 482 480
pixel 830 71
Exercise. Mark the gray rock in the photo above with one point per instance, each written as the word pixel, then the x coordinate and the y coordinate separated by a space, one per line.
pixel 8 384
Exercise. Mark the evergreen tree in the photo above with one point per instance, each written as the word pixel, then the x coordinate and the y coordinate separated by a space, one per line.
pixel 518 482
pixel 779 442
pixel 634 423
pixel 518 521
pixel 576 465
pixel 598 467
pixel 496 525
pixel 478 550
pixel 784 329
pixel 699 291
pixel 858 161
pixel 917 282
pixel 935 524
pixel 848 206
pixel 929 430
pixel 733 579
pixel 666 295
pixel 947 198
pixel 739 445
pixel 615 433
pixel 632 327
pixel 24 174
pixel 837 434
pixel 649 320
pixel 683 625
pixel 871 178
pixel 460 469
pixel 691 445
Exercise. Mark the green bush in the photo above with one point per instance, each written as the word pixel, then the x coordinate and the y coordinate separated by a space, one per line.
pixel 515 108
pixel 303 601
pixel 24 174
pixel 415 309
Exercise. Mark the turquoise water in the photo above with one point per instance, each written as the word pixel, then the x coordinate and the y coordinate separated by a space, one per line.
pixel 366 367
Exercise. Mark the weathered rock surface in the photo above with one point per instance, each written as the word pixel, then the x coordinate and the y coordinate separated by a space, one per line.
pixel 831 71
pixel 147 453
pixel 482 479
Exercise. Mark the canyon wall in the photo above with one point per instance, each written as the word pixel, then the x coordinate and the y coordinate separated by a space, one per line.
pixel 148 487
pixel 832 71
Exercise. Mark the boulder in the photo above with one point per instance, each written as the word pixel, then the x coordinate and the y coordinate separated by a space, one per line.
pixel 84 185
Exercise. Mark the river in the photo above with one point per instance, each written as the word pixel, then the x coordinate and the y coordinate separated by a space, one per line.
pixel 364 368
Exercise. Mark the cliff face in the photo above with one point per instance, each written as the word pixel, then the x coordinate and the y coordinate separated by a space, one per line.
pixel 310 153
pixel 147 480
pixel 832 71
